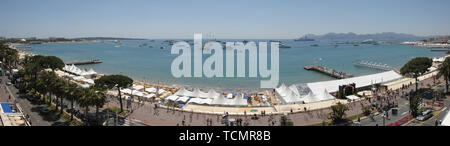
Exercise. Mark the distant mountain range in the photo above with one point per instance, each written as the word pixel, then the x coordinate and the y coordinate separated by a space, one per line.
pixel 375 36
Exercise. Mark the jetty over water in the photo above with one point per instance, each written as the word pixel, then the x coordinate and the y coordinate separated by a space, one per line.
pixel 83 62
pixel 328 71
pixel 375 65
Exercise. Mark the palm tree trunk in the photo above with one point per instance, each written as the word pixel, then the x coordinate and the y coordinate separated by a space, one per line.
pixel 417 83
pixel 446 84
pixel 62 107
pixel 120 100
pixel 56 103
pixel 86 115
pixel 71 113
pixel 50 99
pixel 96 114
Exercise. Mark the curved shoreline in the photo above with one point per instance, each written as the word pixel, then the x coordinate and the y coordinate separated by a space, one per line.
pixel 277 108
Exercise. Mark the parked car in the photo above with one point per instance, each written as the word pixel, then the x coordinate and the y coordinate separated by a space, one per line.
pixel 8 83
pixel 425 115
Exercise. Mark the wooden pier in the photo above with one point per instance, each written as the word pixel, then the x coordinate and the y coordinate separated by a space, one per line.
pixel 327 71
pixel 83 62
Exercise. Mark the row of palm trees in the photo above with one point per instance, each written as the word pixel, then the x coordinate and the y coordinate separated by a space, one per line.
pixel 8 56
pixel 47 86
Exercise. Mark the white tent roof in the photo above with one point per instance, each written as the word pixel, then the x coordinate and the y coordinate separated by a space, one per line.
pixel 200 101
pixel 183 99
pixel 291 97
pixel 78 78
pixel 183 92
pixel 150 90
pixel 172 98
pixel 126 90
pixel 352 97
pixel 239 101
pixel 90 81
pixel 212 94
pixel 281 90
pixel 326 95
pixel 195 100
pixel 446 120
pixel 149 95
pixel 137 87
pixel 75 70
pixel 207 101
pixel 160 91
pixel 137 93
pixel 361 81
pixel 220 100
pixel 310 98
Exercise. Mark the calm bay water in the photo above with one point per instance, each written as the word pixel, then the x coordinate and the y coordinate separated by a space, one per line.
pixel 153 64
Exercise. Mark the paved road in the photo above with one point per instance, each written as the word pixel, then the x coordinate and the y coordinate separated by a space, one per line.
pixel 439 116
pixel 403 108
pixel 33 110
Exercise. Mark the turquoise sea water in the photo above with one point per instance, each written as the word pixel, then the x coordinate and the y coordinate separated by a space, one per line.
pixel 153 64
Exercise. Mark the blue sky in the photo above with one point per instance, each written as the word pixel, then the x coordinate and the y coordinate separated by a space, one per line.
pixel 224 19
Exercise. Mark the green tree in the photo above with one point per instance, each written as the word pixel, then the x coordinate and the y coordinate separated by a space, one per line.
pixel 415 102
pixel 337 113
pixel 53 63
pixel 416 67
pixel 366 110
pixel 85 101
pixel 111 81
pixel 74 93
pixel 444 70
pixel 99 100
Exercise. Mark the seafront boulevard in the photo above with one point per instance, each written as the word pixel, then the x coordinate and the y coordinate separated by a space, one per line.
pixel 159 104
pixel 314 115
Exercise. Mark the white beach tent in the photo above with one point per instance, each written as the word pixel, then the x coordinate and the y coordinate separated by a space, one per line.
pixel 195 100
pixel 150 90
pixel 137 93
pixel 183 92
pixel 206 101
pixel 239 101
pixel 183 99
pixel 282 90
pixel 172 98
pixel 352 97
pixel 289 97
pixel 360 81
pixel 212 94
pixel 310 98
pixel 294 89
pixel 137 87
pixel 326 95
pixel 160 91
pixel 90 81
pixel 149 95
pixel 219 100
pixel 126 90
